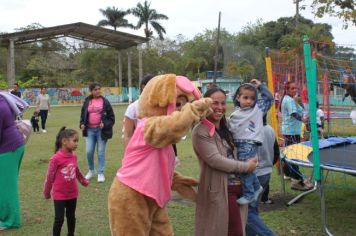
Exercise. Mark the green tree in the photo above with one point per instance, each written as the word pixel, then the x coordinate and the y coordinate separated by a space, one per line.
pixel 343 9
pixel 97 65
pixel 194 65
pixel 245 70
pixel 115 18
pixel 146 17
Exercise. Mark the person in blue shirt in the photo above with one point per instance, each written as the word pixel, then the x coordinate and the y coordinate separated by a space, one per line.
pixel 292 118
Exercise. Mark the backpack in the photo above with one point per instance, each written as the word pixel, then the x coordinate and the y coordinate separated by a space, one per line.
pixel 18 106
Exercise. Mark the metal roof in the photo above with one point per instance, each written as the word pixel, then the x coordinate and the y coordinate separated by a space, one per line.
pixel 82 31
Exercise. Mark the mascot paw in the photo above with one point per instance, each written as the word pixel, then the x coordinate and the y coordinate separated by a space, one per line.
pixel 203 106
pixel 184 186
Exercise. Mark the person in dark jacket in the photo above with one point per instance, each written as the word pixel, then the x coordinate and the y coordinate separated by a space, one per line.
pixel 96 121
pixel 16 90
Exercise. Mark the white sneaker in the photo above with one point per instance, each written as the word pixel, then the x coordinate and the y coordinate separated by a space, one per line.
pixel 90 174
pixel 101 178
pixel 44 131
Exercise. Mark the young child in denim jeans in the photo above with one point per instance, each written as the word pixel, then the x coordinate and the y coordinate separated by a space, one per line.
pixel 246 124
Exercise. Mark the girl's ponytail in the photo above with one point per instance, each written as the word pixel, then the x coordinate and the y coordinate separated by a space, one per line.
pixel 63 133
pixel 59 137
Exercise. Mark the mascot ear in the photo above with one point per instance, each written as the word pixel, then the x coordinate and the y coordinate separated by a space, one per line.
pixel 184 84
pixel 157 95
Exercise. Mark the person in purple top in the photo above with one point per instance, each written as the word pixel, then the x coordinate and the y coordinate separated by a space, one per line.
pixel 11 153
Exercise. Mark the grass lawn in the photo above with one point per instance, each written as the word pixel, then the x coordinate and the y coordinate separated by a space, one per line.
pixel 302 218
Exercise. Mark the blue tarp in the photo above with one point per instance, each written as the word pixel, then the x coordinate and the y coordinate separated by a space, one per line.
pixel 324 143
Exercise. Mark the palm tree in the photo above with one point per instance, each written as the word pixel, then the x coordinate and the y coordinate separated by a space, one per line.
pixel 147 16
pixel 194 64
pixel 115 18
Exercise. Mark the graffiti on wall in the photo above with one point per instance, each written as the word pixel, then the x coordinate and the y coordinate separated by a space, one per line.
pixel 72 96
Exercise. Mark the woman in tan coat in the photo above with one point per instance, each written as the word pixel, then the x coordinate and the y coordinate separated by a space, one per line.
pixel 217 212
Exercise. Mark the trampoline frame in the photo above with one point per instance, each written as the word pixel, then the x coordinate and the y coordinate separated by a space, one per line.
pixel 317 185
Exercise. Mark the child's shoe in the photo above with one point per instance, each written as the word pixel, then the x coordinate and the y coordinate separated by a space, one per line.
pixel 90 174
pixel 244 201
pixel 257 193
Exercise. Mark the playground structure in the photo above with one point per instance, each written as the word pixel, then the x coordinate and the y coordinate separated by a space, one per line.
pixel 330 72
pixel 120 41
pixel 323 77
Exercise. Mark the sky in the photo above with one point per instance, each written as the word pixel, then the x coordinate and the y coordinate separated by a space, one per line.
pixel 186 17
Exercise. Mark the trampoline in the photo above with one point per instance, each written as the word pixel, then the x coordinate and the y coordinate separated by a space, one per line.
pixel 340 115
pixel 336 154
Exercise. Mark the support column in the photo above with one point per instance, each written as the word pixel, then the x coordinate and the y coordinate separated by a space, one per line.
pixel 140 73
pixel 129 77
pixel 120 68
pixel 11 63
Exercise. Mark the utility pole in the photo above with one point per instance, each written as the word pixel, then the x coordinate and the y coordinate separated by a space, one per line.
pixel 216 51
pixel 296 12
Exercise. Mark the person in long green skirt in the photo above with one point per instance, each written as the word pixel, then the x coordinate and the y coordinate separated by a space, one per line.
pixel 11 152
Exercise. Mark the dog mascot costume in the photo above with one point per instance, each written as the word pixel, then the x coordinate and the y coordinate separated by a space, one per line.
pixel 142 186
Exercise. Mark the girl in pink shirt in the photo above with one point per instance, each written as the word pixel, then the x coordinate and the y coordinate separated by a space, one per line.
pixel 62 176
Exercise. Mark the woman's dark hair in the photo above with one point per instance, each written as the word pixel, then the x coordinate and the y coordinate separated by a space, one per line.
pixel 223 131
pixel 286 87
pixel 245 86
pixel 93 85
pixel 145 80
pixel 63 133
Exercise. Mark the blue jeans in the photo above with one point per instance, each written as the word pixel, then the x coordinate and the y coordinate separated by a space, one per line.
pixel 250 183
pixel 43 114
pixel 94 139
pixel 255 225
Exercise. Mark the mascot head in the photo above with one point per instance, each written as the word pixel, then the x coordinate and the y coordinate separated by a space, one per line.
pixel 165 93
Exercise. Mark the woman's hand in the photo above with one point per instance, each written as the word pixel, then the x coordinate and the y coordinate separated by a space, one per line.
pixel 82 126
pixel 252 164
pixel 101 125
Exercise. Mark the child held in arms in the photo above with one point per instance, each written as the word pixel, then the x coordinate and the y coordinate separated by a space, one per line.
pixel 246 124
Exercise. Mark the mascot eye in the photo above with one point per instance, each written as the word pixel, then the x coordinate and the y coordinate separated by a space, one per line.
pixel 178 104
